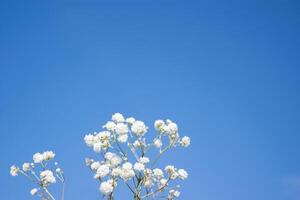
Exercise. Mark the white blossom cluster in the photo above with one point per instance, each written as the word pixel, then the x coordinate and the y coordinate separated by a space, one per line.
pixel 40 173
pixel 123 146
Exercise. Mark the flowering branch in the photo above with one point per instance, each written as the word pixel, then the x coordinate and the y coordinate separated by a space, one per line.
pixel 146 181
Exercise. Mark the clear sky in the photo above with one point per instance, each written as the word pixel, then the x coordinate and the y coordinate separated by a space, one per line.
pixel 226 71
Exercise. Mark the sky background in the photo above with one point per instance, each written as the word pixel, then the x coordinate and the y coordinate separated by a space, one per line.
pixel 226 71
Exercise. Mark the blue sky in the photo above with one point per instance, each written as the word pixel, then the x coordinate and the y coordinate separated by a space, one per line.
pixel 227 72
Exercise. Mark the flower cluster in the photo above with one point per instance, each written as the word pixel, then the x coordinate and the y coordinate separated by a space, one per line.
pixel 40 174
pixel 123 146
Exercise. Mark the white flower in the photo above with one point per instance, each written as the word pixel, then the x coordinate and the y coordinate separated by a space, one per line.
pixel 130 120
pixel 157 143
pixel 170 169
pixel 33 191
pixel 14 170
pixel 139 166
pixel 158 124
pixel 103 171
pixel 58 170
pixel 173 127
pixel 97 147
pixel 137 144
pixel 26 167
pixel 110 126
pixel 106 188
pixel 115 161
pixel 116 171
pixel 122 138
pixel 38 158
pixel 158 173
pixel 163 182
pixel 182 174
pixel 173 194
pixel 121 128
pixel 48 155
pixel 144 160
pixel 127 165
pixel 148 182
pixel 139 128
pixel 185 141
pixel 95 165
pixel 89 140
pixel 109 155
pixel 118 118
pixel 47 177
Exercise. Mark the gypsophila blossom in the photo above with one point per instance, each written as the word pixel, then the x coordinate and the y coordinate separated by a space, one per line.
pixel 33 191
pixel 124 158
pixel 42 174
pixel 185 141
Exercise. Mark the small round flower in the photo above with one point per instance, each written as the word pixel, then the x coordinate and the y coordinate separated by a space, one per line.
pixel 127 165
pixel 139 128
pixel 58 170
pixel 110 126
pixel 163 182
pixel 103 171
pixel 139 166
pixel 89 140
pixel 38 158
pixel 170 169
pixel 122 138
pixel 48 155
pixel 106 188
pixel 158 173
pixel 26 167
pixel 182 174
pixel 144 160
pixel 173 194
pixel 118 118
pixel 14 171
pixel 33 191
pixel 95 165
pixel 130 120
pixel 157 143
pixel 121 128
pixel 173 127
pixel 185 141
pixel 47 177
pixel 158 124
pixel 97 147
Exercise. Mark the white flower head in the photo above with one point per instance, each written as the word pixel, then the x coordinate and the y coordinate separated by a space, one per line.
pixel 144 160
pixel 38 158
pixel 106 188
pixel 157 143
pixel 158 124
pixel 47 177
pixel 14 171
pixel 182 174
pixel 139 166
pixel 185 141
pixel 173 194
pixel 130 120
pixel 122 138
pixel 33 191
pixel 48 155
pixel 118 118
pixel 89 140
pixel 103 170
pixel 95 166
pixel 26 167
pixel 139 128
pixel 110 126
pixel 121 128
